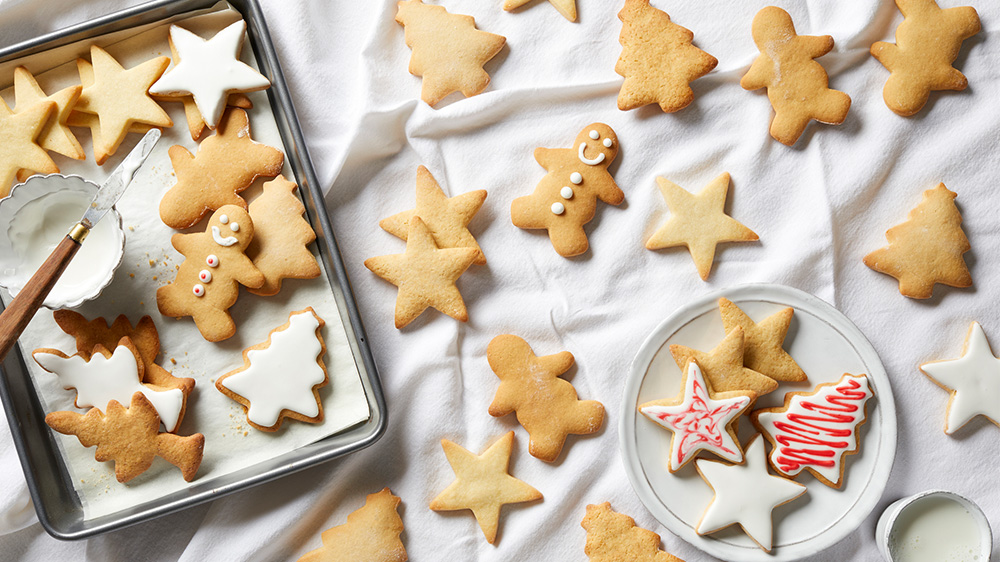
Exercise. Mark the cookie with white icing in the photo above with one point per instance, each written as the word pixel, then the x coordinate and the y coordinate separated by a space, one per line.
pixel 214 267
pixel 566 198
pixel 973 381
pixel 281 377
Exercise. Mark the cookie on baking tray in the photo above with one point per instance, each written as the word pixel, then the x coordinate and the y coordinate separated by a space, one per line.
pixel 566 198
pixel 482 484
pixel 425 275
pixel 698 222
pixel 816 430
pixel 18 134
pixel 226 164
pixel 371 534
pixel 723 366
pixel 745 495
pixel 762 342
pixel 565 7
pixel 614 537
pixel 117 98
pixel 208 70
pixel 546 405
pixel 105 376
pixel 797 85
pixel 130 437
pixel 972 380
pixel 448 51
pixel 55 135
pixel 926 249
pixel 446 217
pixel 214 266
pixel 700 419
pixel 281 237
pixel 927 43
pixel 281 377
pixel 658 59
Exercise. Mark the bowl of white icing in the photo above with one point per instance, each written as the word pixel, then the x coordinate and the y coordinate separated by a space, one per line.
pixel 934 526
pixel 36 216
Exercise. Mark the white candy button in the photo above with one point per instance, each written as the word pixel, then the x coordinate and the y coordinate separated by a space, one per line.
pixel 608 143
pixel 212 260
pixel 566 192
pixel 576 178
pixel 199 290
pixel 205 276
pixel 558 208
pixel 595 135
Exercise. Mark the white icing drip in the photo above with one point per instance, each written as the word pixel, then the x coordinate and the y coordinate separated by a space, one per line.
pixel 282 376
pixel 558 208
pixel 102 380
pixel 590 161
pixel 576 178
pixel 566 192
pixel 217 236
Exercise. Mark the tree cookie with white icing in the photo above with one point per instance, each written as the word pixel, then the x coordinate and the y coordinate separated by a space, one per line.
pixel 208 280
pixel 566 198
pixel 281 377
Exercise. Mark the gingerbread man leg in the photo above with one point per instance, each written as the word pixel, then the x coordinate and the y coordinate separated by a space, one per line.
pixel 525 215
pixel 834 107
pixel 787 126
pixel 568 239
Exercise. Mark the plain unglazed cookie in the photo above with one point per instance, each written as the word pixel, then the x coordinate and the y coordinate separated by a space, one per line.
pixel 208 280
pixel 55 135
pixel 448 51
pixel 926 249
pixel 816 430
pixel 371 534
pixel 796 84
pixel 698 222
pixel 482 484
pixel 762 341
pixel 565 7
pixel 130 437
pixel 723 366
pixel 546 405
pixel 614 537
pixel 927 44
pixel 425 275
pixel 281 377
pixel 18 134
pixel 281 237
pixel 566 198
pixel 658 59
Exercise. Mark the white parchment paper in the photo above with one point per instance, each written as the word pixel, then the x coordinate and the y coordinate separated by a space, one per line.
pixel 150 262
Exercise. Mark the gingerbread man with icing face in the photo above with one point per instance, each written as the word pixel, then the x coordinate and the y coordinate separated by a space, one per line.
pixel 208 281
pixel 566 198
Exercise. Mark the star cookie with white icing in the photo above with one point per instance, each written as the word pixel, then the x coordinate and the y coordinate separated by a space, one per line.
pixel 446 217
pixel 209 279
pixel 700 419
pixel 566 198
pixel 482 484
pixel 281 377
pixel 745 495
pixel 973 381
pixel 698 222
pixel 425 275
pixel 209 70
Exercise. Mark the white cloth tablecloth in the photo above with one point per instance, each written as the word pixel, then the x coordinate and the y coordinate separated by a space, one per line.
pixel 818 208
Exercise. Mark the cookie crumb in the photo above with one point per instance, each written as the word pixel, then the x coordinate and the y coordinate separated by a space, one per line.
pixel 151 262
pixel 172 360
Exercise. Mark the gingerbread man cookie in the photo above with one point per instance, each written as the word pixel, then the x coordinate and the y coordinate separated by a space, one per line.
pixel 208 281
pixel 566 198
pixel 546 405
pixel 796 84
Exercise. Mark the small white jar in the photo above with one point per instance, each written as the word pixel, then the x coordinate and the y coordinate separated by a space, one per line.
pixel 934 526
pixel 36 216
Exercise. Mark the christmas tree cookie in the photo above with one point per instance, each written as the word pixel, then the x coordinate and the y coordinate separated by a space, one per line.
pixel 371 534
pixel 796 84
pixel 614 537
pixel 658 60
pixel 281 238
pixel 926 249
pixel 448 51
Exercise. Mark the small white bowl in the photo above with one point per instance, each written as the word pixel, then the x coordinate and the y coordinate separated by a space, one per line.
pixel 36 216
pixel 901 528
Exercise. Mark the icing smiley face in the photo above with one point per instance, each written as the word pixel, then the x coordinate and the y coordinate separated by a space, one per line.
pixel 596 145
pixel 226 230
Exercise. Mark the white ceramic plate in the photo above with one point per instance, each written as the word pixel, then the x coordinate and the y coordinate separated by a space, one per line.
pixel 826 345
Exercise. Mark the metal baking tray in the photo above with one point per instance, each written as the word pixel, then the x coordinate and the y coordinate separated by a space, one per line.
pixel 52 493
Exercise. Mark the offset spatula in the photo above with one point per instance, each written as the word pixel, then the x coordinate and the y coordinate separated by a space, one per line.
pixel 22 309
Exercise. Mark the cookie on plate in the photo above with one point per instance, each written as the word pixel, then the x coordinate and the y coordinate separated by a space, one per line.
pixel 723 366
pixel 762 342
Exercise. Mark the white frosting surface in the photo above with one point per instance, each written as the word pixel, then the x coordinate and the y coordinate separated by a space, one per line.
pixel 974 379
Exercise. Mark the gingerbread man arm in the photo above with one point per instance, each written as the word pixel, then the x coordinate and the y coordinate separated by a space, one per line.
pixel 610 193
pixel 505 400
pixel 548 158
pixel 816 45
pixel 250 277
pixel 185 243
pixel 759 75
pixel 557 363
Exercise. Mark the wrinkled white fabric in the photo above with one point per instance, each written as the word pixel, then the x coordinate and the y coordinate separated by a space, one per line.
pixel 818 208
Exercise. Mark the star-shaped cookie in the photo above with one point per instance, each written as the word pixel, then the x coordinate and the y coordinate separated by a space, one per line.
pixel 699 222
pixel 425 275
pixel 762 342
pixel 119 98
pixel 565 7
pixel 18 132
pixel 55 135
pixel 447 218
pixel 723 366
pixel 209 70
pixel 745 495
pixel 973 381
pixel 700 419
pixel 482 484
